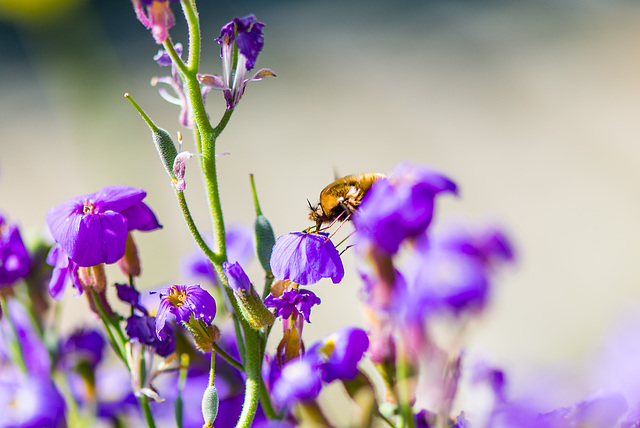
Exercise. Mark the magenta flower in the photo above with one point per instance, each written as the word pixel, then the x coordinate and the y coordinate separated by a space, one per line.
pixel 158 17
pixel 306 258
pixel 92 229
pixel 14 257
pixel 184 301
pixel 245 34
pixel 400 207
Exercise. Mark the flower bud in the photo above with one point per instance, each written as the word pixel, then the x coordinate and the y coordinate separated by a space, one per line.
pixel 166 149
pixel 179 170
pixel 253 309
pixel 265 240
pixel 210 402
pixel 250 303
pixel 130 263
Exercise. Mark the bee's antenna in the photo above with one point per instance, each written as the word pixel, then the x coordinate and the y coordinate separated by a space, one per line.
pixel 310 206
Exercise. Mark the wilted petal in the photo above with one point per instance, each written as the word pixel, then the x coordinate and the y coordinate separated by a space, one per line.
pixel 212 81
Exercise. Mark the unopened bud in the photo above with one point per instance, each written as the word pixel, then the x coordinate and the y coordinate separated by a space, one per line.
pixel 93 277
pixel 265 240
pixel 130 263
pixel 166 149
pixel 250 303
pixel 210 403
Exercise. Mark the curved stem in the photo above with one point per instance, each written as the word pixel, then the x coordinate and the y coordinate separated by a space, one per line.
pixel 195 233
pixel 191 14
pixel 228 358
pixel 175 58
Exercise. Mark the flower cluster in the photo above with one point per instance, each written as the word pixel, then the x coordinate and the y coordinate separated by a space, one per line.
pixel 199 355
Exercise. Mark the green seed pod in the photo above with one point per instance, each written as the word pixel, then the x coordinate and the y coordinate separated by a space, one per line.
pixel 265 240
pixel 210 402
pixel 166 149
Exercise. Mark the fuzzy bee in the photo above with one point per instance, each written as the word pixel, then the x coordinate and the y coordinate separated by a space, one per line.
pixel 342 197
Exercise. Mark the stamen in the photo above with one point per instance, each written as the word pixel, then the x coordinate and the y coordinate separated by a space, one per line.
pixel 89 207
pixel 177 297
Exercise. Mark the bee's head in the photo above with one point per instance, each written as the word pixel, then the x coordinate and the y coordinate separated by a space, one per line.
pixel 316 214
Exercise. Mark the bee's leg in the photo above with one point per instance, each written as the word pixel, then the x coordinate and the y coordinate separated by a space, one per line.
pixel 338 228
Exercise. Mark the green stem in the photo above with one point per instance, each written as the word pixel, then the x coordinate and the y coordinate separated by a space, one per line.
pixel 207 137
pixel 254 377
pixel 402 374
pixel 228 357
pixel 191 225
pixel 191 15
pixel 146 410
pixel 175 58
pixel 116 337
pixel 16 350
pixel 212 370
pixel 256 203
pixel 265 402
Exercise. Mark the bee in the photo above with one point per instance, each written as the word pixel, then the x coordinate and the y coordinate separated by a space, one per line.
pixel 342 197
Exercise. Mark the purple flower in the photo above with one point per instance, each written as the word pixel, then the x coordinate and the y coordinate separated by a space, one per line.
pixel 292 301
pixel 35 353
pixel 237 278
pixel 306 258
pixel 158 17
pixel 341 352
pixel 92 229
pixel 489 245
pixel 162 57
pixel 239 249
pixel 14 257
pixel 174 81
pixel 128 294
pixel 184 301
pixel 83 346
pixel 142 329
pixel 300 380
pixel 445 280
pixel 31 402
pixel 401 206
pixel 245 34
pixel 600 411
pixel 452 270
pixel 335 357
pixel 64 270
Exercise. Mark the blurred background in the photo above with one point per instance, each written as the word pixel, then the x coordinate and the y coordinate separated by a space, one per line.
pixel 532 107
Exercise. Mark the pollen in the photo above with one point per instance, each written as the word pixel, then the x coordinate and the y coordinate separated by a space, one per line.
pixel 327 347
pixel 89 207
pixel 177 297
